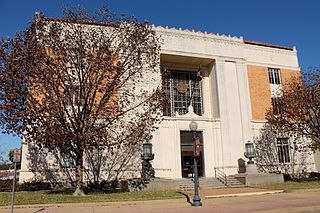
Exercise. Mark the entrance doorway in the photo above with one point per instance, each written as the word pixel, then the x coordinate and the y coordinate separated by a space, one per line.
pixel 186 141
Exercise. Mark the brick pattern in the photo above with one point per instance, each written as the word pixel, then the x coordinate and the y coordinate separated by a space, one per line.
pixel 286 75
pixel 259 88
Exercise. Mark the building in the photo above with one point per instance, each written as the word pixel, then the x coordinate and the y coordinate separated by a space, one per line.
pixel 225 84
pixel 240 78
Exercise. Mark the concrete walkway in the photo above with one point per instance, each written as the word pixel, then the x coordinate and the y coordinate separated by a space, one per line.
pixel 225 201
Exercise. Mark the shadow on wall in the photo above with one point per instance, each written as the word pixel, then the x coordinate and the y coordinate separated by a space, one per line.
pixel 100 165
pixel 269 151
pixel 317 160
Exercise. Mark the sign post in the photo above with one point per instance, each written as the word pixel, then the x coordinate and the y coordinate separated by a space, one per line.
pixel 197 149
pixel 16 159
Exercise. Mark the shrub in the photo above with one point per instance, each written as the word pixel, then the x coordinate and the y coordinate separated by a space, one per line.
pixel 34 186
pixel 6 185
pixel 312 176
pixel 106 186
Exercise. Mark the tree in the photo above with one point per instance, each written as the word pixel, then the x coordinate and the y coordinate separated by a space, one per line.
pixel 297 109
pixel 81 83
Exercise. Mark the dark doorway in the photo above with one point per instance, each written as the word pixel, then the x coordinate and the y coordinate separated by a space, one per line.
pixel 186 141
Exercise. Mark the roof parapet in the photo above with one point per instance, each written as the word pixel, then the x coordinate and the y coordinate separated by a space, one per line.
pixel 39 15
pixel 197 33
pixel 268 45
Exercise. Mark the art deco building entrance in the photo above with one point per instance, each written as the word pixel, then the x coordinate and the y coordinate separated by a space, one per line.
pixel 187 154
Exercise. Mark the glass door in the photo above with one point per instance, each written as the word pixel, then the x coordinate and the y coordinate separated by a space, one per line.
pixel 186 141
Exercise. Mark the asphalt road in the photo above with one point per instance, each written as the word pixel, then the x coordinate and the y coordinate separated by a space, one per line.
pixel 288 202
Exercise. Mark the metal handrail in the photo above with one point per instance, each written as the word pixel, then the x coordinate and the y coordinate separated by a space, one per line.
pixel 221 176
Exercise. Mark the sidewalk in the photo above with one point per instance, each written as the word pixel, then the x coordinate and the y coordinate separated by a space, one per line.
pixel 229 192
pixel 139 206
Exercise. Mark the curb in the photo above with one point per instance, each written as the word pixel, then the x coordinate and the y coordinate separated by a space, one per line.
pixel 115 203
pixel 244 194
pixel 89 204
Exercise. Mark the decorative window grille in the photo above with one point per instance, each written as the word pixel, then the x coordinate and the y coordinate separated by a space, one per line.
pixel 278 107
pixel 283 150
pixel 182 89
pixel 274 76
pixel 66 161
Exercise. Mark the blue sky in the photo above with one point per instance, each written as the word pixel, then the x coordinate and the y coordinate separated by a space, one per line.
pixel 281 22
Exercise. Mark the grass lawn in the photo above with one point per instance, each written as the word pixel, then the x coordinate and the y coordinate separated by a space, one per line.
pixel 45 197
pixel 314 184
pixel 65 196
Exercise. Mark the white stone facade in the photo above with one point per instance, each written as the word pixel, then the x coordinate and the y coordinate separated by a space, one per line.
pixel 227 122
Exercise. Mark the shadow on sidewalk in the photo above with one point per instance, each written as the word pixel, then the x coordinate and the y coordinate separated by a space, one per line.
pixel 187 197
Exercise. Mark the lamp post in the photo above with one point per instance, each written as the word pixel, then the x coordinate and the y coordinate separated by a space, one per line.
pixel 250 154
pixel 196 199
pixel 147 156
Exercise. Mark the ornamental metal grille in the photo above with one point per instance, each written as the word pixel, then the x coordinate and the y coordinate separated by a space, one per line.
pixel 66 161
pixel 278 107
pixel 283 150
pixel 182 89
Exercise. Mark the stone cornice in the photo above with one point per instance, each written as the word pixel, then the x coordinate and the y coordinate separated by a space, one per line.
pixel 201 55
pixel 172 32
pixel 222 39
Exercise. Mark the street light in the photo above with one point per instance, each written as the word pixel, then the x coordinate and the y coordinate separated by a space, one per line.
pixel 196 199
pixel 147 156
pixel 250 153
pixel 147 151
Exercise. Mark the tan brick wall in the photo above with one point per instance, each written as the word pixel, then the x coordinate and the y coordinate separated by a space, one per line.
pixel 286 74
pixel 259 87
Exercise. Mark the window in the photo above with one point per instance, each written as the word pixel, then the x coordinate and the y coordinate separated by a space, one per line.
pixel 283 150
pixel 182 89
pixel 274 76
pixel 66 161
pixel 278 107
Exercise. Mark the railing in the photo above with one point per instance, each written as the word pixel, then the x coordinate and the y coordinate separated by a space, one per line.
pixel 221 176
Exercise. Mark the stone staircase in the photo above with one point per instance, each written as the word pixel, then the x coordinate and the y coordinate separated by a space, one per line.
pixel 186 184
pixel 233 182
pixel 183 184
pixel 229 181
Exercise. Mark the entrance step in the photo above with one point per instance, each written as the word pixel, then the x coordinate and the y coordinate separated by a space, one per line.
pixel 233 182
pixel 183 184
pixel 204 183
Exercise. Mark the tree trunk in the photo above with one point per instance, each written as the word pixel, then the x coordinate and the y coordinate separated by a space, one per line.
pixel 79 174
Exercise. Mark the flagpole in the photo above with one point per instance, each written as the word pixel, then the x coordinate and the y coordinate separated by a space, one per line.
pixel 192 89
